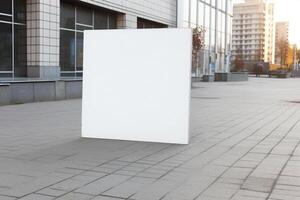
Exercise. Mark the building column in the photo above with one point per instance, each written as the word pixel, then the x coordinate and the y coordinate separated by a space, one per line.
pixel 126 21
pixel 43 39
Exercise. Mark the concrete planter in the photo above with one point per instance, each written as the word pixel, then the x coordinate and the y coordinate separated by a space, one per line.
pixel 221 77
pixel 296 73
pixel 231 77
pixel 208 78
pixel 27 91
pixel 5 94
pixel 238 76
pixel 196 79
pixel 281 75
pixel 285 75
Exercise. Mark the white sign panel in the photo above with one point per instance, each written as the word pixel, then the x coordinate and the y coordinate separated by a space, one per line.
pixel 136 85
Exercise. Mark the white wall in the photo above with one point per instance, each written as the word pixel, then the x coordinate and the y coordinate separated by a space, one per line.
pixel 136 84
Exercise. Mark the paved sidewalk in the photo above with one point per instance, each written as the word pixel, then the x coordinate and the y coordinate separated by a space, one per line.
pixel 244 146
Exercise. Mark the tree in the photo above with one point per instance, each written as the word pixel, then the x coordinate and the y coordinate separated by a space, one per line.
pixel 258 54
pixel 298 54
pixel 239 64
pixel 282 51
pixel 198 44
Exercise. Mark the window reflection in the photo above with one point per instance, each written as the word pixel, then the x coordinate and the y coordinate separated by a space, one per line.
pixel 67 16
pixel 19 11
pixel 6 6
pixel 20 49
pixel 67 50
pixel 5 47
pixel 84 15
pixel 143 23
pixel 74 20
pixel 79 53
pixel 215 16
pixel 13 48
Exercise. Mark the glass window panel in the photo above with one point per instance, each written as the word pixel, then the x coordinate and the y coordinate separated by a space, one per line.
pixel 207 17
pixel 186 11
pixel 213 19
pixel 6 6
pixel 20 55
pixel 221 62
pixel 223 5
pixel 67 50
pixel 200 14
pixel 219 21
pixel 20 11
pixel 100 20
pixel 223 22
pixel 5 47
pixel 67 16
pixel 5 18
pixel 228 22
pixel 84 15
pixel 79 51
pixel 143 23
pixel 218 42
pixel 112 22
pixel 228 45
pixel 219 4
pixel 223 42
pixel 213 2
pixel 140 24
pixel 230 7
pixel 206 39
pixel 193 10
pixel 6 75
pixel 212 40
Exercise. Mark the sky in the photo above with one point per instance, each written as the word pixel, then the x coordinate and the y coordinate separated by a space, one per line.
pixel 288 10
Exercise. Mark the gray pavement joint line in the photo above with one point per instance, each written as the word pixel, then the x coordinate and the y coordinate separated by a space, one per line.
pixel 263 112
pixel 187 149
pixel 238 159
pixel 241 156
pixel 110 196
pixel 284 166
pixel 129 177
pixel 83 171
pixel 267 154
pixel 9 196
pixel 254 112
pixel 238 123
pixel 248 117
pixel 232 135
pixel 36 191
pixel 218 144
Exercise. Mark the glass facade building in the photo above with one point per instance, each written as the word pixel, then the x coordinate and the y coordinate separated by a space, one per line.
pixel 44 39
pixel 215 16
pixel 74 19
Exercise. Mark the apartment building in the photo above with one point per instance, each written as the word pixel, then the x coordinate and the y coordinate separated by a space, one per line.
pixel 253 32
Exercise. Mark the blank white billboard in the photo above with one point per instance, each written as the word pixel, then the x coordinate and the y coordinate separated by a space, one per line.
pixel 136 85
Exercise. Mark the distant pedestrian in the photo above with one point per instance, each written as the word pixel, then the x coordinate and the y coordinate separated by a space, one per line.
pixel 259 69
